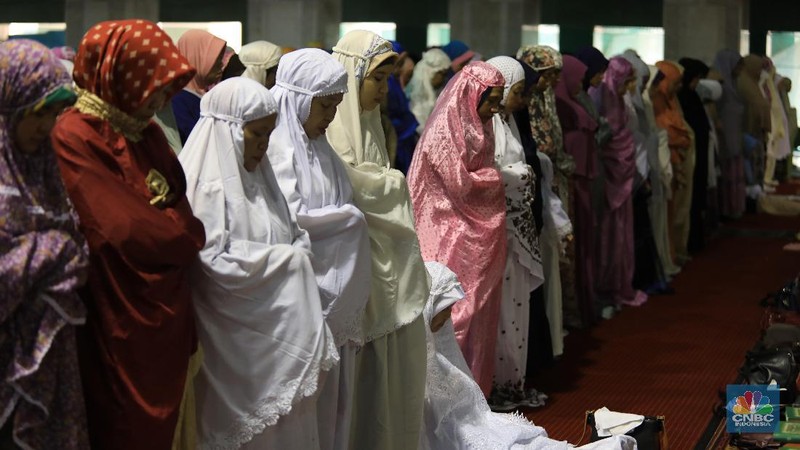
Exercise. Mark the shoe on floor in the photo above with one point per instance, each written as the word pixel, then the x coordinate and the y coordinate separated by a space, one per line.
pixel 533 399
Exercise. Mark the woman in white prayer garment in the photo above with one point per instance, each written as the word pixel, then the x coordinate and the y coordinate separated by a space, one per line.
pixel 523 272
pixel 456 415
pixel 260 321
pixel 310 85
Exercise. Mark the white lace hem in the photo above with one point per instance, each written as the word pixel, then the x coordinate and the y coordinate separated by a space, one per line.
pixel 270 410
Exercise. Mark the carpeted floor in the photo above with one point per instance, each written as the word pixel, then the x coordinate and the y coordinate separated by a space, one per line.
pixel 670 356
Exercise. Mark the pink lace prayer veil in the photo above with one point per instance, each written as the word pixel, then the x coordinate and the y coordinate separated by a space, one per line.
pixel 454 122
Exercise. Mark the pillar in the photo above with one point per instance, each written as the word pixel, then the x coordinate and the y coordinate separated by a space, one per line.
pixel 490 28
pixel 700 28
pixel 80 15
pixel 294 23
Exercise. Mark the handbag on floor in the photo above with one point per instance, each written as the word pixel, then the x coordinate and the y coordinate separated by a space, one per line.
pixel 782 306
pixel 762 365
pixel 651 434
pixel 753 441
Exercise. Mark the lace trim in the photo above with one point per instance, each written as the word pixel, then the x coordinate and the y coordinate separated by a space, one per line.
pixel 379 46
pixel 415 314
pixel 333 92
pixel 270 410
pixel 121 122
pixel 351 329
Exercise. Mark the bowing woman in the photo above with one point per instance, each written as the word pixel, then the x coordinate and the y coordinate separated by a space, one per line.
pixel 129 191
pixel 310 85
pixel 259 317
pixel 460 207
pixel 390 370
pixel 43 259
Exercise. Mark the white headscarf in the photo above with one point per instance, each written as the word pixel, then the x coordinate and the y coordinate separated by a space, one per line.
pixel 512 72
pixel 311 73
pixel 421 94
pixel 256 299
pixel 258 57
pixel 315 183
pixel 399 280
pixel 709 90
pixel 642 72
pixel 358 136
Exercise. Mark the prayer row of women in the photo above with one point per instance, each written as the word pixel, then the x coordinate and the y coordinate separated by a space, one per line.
pixel 278 285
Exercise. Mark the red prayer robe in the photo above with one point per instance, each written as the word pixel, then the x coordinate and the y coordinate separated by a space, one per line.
pixel 135 347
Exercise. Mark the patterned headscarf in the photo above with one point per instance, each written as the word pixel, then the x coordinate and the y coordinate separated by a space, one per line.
pixel 42 260
pixel 124 62
pixel 512 73
pixel 544 119
pixel 31 191
pixel 540 57
pixel 65 53
pixel 202 49
pixel 457 111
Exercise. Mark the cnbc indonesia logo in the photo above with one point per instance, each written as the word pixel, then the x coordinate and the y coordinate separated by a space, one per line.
pixel 751 411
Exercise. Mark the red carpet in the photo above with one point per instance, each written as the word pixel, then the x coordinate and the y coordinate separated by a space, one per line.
pixel 670 356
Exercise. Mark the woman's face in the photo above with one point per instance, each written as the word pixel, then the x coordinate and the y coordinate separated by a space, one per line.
pixel 785 85
pixel 438 78
pixel 675 86
pixel 270 81
pixel 515 101
pixel 256 140
pixel 375 87
pixel 645 80
pixel 597 78
pixel 695 81
pixel 491 105
pixel 552 76
pixel 32 130
pixel 628 86
pixel 542 84
pixel 153 104
pixel 323 110
pixel 215 74
pixel 440 319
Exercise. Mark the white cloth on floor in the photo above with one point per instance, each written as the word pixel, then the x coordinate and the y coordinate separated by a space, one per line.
pixel 610 423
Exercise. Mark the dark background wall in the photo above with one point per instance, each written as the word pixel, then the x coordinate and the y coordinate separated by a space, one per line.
pixel 203 10
pixel 31 11
pixel 774 15
pixel 576 17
